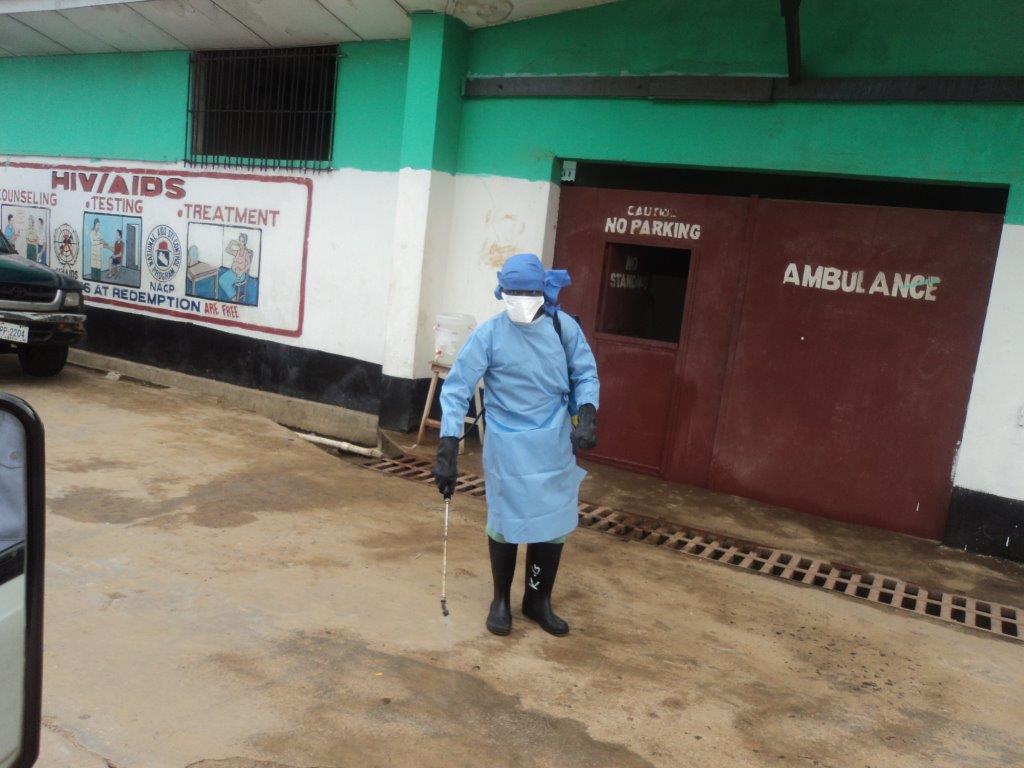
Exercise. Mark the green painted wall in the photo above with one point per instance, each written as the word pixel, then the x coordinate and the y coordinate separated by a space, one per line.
pixel 838 37
pixel 133 106
pixel 912 37
pixel 370 105
pixel 522 137
pixel 449 108
pixel 115 106
pixel 638 37
pixel 966 143
pixel 433 102
pixel 392 113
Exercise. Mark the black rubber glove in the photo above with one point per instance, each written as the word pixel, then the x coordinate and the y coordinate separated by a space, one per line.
pixel 584 437
pixel 446 470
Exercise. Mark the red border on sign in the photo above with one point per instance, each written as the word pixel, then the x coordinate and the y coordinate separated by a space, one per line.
pixel 307 183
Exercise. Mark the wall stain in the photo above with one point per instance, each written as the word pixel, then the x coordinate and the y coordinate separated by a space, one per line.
pixel 487 11
pixel 496 254
pixel 506 233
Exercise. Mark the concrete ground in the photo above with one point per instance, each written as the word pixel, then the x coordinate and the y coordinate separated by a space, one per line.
pixel 223 595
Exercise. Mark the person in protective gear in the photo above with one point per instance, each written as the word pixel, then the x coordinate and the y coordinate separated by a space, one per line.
pixel 537 367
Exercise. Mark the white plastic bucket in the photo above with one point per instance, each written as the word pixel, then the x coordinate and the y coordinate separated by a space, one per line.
pixel 450 333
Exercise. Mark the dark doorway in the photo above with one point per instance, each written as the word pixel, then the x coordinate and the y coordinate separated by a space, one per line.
pixel 644 291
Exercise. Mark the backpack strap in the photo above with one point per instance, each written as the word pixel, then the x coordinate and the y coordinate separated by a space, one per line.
pixel 558 329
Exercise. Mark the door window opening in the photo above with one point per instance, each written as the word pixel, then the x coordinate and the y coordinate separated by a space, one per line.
pixel 643 292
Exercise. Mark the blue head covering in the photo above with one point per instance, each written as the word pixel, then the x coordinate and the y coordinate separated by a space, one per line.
pixel 524 272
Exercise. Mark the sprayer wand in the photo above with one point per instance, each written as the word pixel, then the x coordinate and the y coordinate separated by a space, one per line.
pixel 444 562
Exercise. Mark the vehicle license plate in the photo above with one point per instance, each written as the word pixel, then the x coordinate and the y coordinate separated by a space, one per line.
pixel 11 332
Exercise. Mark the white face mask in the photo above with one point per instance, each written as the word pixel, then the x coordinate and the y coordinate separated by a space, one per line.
pixel 522 309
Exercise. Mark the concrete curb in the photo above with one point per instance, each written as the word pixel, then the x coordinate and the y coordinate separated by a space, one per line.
pixel 320 418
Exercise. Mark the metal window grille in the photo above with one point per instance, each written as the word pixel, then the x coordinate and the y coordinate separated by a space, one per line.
pixel 261 108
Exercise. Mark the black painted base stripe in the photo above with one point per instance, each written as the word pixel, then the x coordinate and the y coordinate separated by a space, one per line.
pixel 401 402
pixel 986 524
pixel 269 366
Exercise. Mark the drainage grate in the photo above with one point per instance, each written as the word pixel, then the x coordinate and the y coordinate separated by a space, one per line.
pixel 411 468
pixel 1003 620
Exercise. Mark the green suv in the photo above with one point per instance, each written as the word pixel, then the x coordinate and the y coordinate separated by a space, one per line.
pixel 42 312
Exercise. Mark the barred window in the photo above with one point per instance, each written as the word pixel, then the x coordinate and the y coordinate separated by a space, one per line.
pixel 264 108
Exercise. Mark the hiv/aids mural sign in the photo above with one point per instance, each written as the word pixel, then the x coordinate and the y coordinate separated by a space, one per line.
pixel 219 248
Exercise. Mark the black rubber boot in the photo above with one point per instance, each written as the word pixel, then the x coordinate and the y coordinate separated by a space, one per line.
pixel 541 569
pixel 503 570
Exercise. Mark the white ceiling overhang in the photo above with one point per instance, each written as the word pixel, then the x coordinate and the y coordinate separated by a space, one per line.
pixel 43 27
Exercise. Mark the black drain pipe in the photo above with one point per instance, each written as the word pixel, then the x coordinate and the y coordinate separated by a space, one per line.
pixel 791 13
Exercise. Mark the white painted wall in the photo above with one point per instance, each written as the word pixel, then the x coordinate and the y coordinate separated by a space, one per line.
pixel 349 255
pixel 435 263
pixel 452 234
pixel 419 252
pixel 492 218
pixel 991 457
pixel 387 252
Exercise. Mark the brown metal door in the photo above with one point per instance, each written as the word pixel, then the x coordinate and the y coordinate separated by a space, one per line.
pixel 848 389
pixel 634 428
pixel 655 280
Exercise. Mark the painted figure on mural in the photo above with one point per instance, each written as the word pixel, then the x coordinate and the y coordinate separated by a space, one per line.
pixel 538 373
pixel 31 240
pixel 9 231
pixel 235 281
pixel 42 247
pixel 97 244
pixel 117 254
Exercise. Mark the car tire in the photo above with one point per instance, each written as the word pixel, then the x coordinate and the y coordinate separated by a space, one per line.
pixel 42 361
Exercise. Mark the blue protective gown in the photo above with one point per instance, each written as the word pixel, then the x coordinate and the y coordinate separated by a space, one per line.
pixel 532 477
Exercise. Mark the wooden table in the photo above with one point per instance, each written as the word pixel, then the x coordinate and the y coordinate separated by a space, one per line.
pixel 438 373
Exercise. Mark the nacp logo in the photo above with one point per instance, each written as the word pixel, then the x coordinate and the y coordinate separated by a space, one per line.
pixel 163 253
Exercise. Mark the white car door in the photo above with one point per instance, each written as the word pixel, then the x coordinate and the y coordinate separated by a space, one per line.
pixel 12 667
pixel 12 585
pixel 22 490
